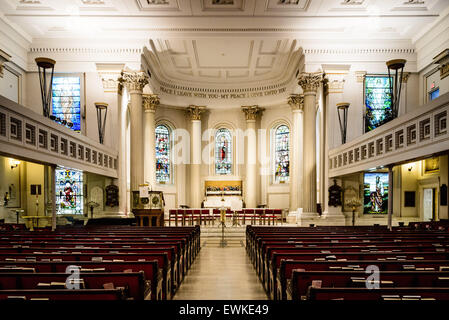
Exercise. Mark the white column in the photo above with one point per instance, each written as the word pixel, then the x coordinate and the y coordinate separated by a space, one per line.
pixel 251 113
pixel 135 81
pixel 122 105
pixel 334 85
pixel 390 196
pixel 150 102
pixel 195 158
pixel 296 102
pixel 53 197
pixel 310 82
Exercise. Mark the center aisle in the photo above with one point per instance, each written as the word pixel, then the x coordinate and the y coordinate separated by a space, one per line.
pixel 221 274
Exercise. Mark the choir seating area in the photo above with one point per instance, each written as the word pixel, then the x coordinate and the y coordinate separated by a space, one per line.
pixel 114 262
pixel 253 216
pixel 336 263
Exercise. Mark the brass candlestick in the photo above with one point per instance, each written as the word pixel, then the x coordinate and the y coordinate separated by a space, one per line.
pixel 354 204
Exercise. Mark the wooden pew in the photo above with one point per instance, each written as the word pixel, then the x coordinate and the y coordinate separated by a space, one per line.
pixel 63 294
pixel 134 283
pixel 149 268
pixel 315 294
pixel 302 280
pixel 286 268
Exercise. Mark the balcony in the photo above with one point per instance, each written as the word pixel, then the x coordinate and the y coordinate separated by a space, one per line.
pixel 415 135
pixel 30 136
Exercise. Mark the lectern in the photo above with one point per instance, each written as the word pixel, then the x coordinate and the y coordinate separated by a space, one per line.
pixel 148 207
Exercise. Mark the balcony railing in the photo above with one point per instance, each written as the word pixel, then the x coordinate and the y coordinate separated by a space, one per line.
pixel 417 134
pixel 27 135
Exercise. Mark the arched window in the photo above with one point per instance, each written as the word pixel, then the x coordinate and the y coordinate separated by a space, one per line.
pixel 162 154
pixel 223 152
pixel 281 154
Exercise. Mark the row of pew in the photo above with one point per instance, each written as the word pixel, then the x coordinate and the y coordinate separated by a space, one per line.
pixel 261 216
pixel 350 263
pixel 96 262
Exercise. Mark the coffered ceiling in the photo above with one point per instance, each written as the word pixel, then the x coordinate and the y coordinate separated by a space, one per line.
pixel 139 19
pixel 223 61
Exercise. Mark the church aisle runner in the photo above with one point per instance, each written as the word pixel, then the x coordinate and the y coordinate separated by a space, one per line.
pixel 221 274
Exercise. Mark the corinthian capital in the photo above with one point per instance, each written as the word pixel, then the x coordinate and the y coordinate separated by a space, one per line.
pixel 150 102
pixel 195 112
pixel 310 82
pixel 251 112
pixel 296 102
pixel 133 80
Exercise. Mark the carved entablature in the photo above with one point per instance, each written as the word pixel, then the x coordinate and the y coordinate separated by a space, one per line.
pixel 134 80
pixel 443 60
pixel 296 102
pixel 4 57
pixel 150 102
pixel 252 112
pixel 310 82
pixel 195 112
pixel 360 75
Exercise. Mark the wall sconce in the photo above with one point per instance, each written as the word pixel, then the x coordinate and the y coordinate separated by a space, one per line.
pixel 342 110
pixel 395 66
pixel 101 118
pixel 14 163
pixel 46 65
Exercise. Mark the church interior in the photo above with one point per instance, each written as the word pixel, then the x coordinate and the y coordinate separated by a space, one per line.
pixel 224 150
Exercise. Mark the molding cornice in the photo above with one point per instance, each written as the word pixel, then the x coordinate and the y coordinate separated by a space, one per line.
pixel 310 82
pixel 150 102
pixel 194 112
pixel 86 50
pixel 134 80
pixel 360 51
pixel 252 112
pixel 296 102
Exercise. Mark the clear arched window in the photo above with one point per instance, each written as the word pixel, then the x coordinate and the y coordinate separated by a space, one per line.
pixel 281 154
pixel 223 152
pixel 162 154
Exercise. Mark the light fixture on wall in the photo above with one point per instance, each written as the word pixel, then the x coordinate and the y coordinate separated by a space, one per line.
pixel 102 112
pixel 342 110
pixel 395 71
pixel 46 67
pixel 14 163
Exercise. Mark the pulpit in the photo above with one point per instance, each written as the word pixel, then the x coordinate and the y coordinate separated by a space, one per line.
pixel 148 207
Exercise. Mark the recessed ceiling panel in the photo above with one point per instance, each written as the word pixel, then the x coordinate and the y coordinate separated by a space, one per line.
pixel 223 53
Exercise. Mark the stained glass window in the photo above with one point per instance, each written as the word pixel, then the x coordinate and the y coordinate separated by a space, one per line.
pixel 223 152
pixel 69 191
pixel 162 154
pixel 377 101
pixel 281 154
pixel 66 100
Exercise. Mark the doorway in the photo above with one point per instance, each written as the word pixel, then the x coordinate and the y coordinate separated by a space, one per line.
pixel 429 204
